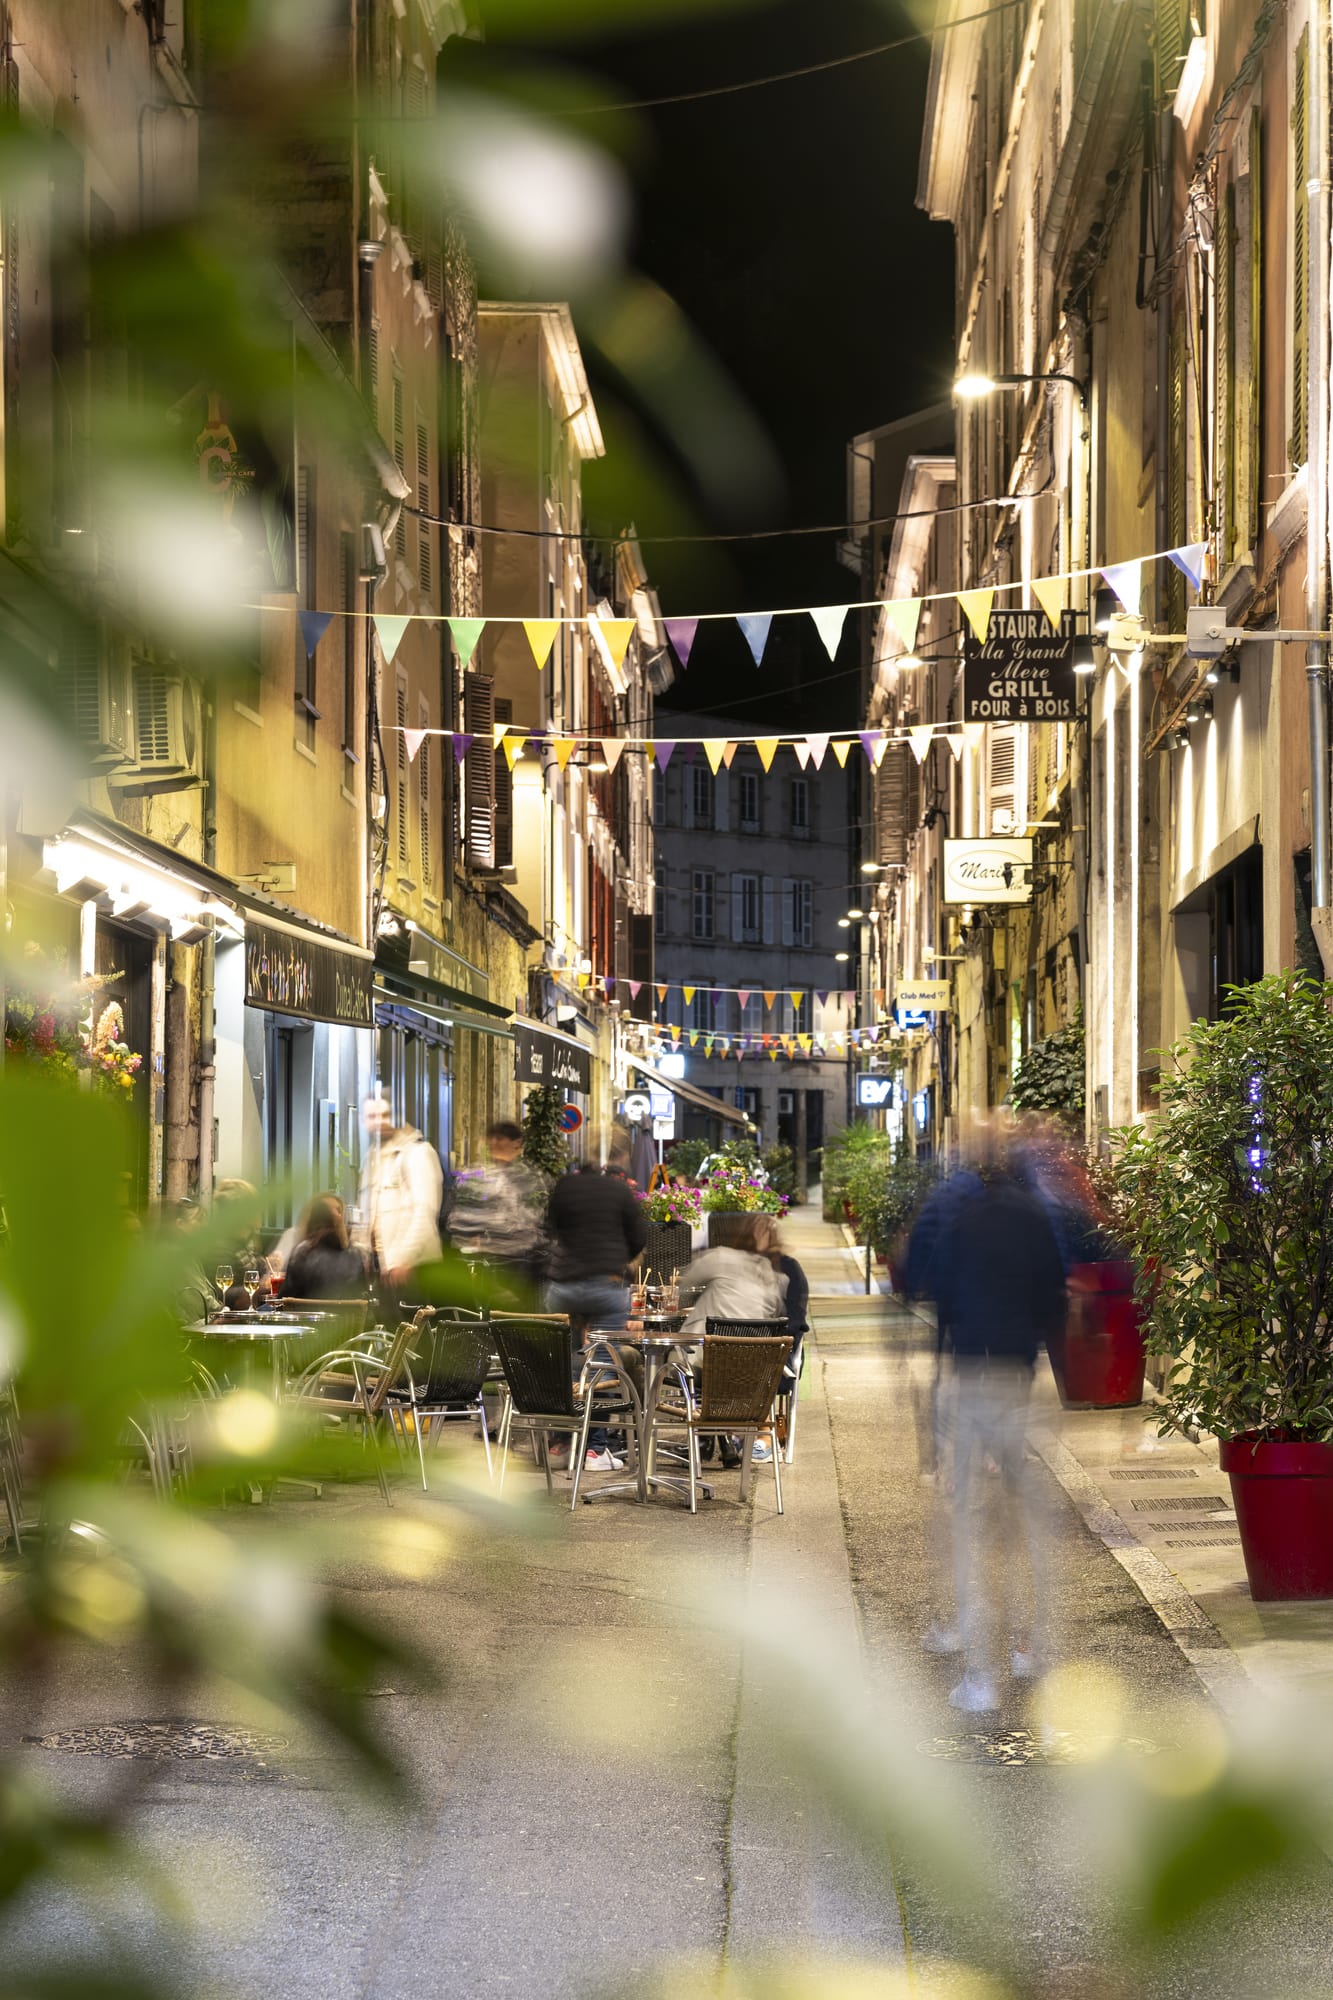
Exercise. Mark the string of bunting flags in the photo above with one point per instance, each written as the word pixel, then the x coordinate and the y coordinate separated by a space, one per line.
pixel 613 635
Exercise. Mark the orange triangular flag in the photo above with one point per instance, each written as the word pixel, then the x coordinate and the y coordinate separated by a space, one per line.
pixel 662 992
pixel 767 746
pixel 769 998
pixel 541 637
pixel 714 750
pixel 728 752
pixel 841 745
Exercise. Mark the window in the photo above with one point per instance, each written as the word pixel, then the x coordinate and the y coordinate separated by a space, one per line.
pixel 800 808
pixel 701 1010
pixel 349 576
pixel 659 797
pixel 749 801
pixel 745 909
pixel 305 576
pixel 751 1013
pixel 798 914
pixel 660 900
pixel 701 795
pixel 794 1014
pixel 423 798
pixel 701 903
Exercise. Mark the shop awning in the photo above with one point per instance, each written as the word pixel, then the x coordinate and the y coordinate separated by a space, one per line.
pixel 138 879
pixel 690 1093
pixel 550 1059
pixel 440 1002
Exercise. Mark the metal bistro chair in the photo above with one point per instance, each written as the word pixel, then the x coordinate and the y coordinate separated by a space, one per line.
pixel 349 1382
pixel 788 1397
pixel 537 1355
pixel 11 1465
pixel 445 1376
pixel 739 1376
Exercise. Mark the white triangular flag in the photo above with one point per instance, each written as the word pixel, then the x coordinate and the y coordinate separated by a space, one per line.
pixel 920 735
pixel 828 622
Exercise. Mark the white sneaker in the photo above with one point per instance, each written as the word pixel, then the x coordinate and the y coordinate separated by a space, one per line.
pixel 760 1453
pixel 975 1694
pixel 603 1461
pixel 941 1639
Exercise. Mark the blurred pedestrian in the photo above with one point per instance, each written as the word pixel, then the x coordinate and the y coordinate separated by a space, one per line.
pixel 999 1289
pixel 597 1230
pixel 498 1212
pixel 402 1186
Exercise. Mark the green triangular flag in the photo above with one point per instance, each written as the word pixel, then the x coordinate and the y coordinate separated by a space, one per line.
pixel 465 633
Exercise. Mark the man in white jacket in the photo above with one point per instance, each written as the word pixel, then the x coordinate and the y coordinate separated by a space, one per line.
pixel 402 1186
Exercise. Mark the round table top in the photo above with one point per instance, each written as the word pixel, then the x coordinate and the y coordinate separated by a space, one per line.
pixel 209 1329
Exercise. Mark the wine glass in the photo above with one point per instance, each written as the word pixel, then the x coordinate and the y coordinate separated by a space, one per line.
pixel 252 1280
pixel 223 1278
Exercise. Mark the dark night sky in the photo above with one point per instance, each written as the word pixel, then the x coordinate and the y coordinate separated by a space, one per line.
pixel 783 222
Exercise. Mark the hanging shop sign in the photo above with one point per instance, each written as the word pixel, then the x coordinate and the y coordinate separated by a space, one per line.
pixel 924 996
pixel 988 871
pixel 547 1060
pixel 1022 672
pixel 287 972
pixel 874 1093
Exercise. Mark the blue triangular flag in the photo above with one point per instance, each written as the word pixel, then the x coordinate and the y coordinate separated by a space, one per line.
pixel 314 624
pixel 1126 580
pixel 1189 561
pixel 755 624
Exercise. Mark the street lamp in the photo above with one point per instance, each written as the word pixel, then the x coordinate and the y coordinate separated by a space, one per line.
pixel 972 387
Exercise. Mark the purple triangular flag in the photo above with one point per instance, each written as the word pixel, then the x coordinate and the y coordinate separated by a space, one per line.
pixel 608 983
pixel 314 624
pixel 755 624
pixel 662 753
pixel 822 999
pixel 869 738
pixel 1189 561
pixel 681 631
pixel 688 752
pixel 462 744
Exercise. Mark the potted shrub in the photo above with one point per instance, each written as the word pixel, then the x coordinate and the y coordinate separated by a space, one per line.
pixel 1229 1196
pixel 840 1156
pixel 672 1214
pixel 732 1189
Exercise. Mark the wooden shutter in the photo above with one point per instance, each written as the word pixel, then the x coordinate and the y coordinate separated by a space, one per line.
pixel 1171 36
pixel 1224 379
pixel 400 760
pixel 424 774
pixel 425 532
pixel 789 911
pixel 349 624
pixel 373 345
pixel 479 770
pixel 1177 441
pixel 1001 757
pixel 1253 489
pixel 400 460
pixel 503 792
pixel 1298 444
pixel 766 910
pixel 738 907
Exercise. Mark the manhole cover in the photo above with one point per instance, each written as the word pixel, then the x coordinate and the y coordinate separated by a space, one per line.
pixel 1154 1472
pixel 1025 1746
pixel 186 1741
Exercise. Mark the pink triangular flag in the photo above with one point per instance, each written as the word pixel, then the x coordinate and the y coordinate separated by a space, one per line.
pixel 613 749
pixel 662 753
pixel 802 750
pixel 413 740
pixel 817 746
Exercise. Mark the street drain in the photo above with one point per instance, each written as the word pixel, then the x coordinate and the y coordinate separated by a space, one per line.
pixel 1025 1746
pixel 1154 1472
pixel 1164 1503
pixel 184 1742
pixel 1231 1541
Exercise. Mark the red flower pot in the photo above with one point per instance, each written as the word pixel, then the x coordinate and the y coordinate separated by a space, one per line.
pixel 1099 1359
pixel 1283 1495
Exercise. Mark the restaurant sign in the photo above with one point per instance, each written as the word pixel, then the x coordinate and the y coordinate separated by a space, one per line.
pixel 546 1061
pixel 289 973
pixel 988 871
pixel 1023 673
pixel 923 996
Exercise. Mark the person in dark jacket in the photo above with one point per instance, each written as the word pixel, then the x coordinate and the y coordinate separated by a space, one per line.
pixel 999 1288
pixel 795 1301
pixel 322 1265
pixel 597 1230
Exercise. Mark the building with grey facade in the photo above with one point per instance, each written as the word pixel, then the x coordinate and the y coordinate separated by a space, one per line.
pixel 754 872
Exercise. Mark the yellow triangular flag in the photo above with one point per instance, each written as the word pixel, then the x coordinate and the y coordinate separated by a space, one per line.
pixel 1050 593
pixel 689 992
pixel 973 733
pixel 563 746
pixel 541 637
pixel 767 746
pixel 728 752
pixel 584 977
pixel 714 749
pixel 920 735
pixel 795 996
pixel 513 749
pixel 772 1055
pixel 841 745
pixel 904 614
pixel 975 606
pixel 647 752
pixel 615 634
pixel 613 749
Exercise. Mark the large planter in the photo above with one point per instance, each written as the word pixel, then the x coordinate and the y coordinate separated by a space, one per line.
pixel 1099 1359
pixel 1283 1495
pixel 667 1249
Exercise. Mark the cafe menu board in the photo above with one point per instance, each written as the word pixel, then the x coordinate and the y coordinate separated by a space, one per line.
pixel 1023 673
pixel 547 1061
pixel 291 974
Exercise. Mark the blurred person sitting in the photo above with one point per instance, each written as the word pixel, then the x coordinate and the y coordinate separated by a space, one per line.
pixel 733 1281
pixel 402 1187
pixel 795 1300
pixel 497 1213
pixel 196 1295
pixel 597 1229
pixel 238 1213
pixel 323 1265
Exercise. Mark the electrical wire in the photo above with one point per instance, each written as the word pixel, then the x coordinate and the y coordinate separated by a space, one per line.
pixel 790 75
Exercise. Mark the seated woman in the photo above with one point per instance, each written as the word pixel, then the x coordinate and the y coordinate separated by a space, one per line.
pixel 796 1299
pixel 322 1265
pixel 733 1281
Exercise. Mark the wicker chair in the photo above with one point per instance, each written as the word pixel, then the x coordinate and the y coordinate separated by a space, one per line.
pixel 445 1375
pixel 537 1355
pixel 739 1376
pixel 349 1382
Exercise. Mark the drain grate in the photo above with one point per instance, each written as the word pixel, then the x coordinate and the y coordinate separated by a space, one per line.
pixel 1025 1746
pixel 1202 1542
pixel 1166 1503
pixel 157 1741
pixel 1155 1472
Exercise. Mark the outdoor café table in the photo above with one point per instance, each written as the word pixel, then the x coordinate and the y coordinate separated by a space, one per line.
pixel 657 1340
pixel 249 1337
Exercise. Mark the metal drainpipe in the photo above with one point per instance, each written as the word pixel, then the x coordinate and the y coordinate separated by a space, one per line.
pixel 1317 517
pixel 208 960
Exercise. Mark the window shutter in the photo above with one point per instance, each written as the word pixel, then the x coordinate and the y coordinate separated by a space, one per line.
pixel 1174 582
pixel 766 920
pixel 424 799
pixel 305 536
pixel 503 791
pixel 1224 380
pixel 373 344
pixel 401 712
pixel 349 624
pixel 788 911
pixel 425 532
pixel 400 460
pixel 721 786
pixel 1171 36
pixel 687 802
pixel 1001 751
pixel 479 770
pixel 738 907
pixel 1298 445
pixel 1256 281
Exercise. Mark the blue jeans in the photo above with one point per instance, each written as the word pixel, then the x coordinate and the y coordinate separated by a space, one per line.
pixel 599 1302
